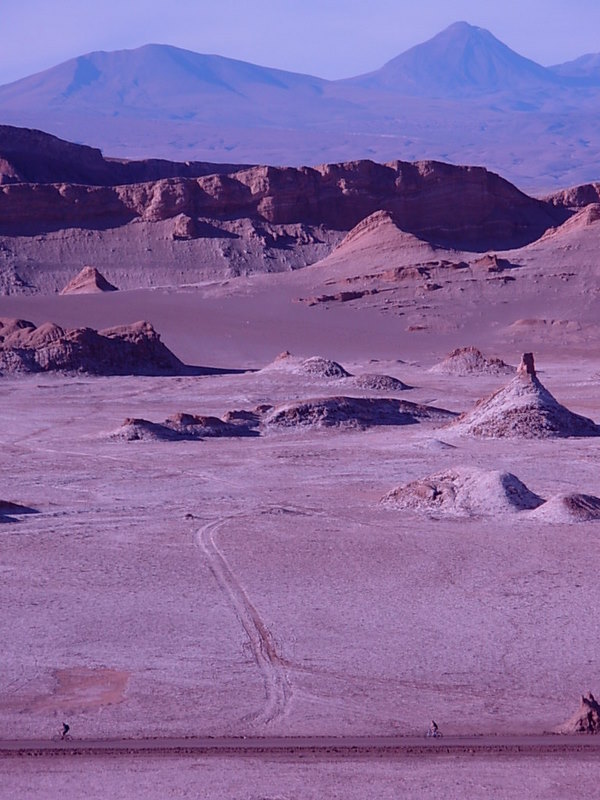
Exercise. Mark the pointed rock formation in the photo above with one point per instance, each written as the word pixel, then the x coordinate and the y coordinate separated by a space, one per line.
pixel 88 281
pixel 586 719
pixel 464 492
pixel 471 361
pixel 524 409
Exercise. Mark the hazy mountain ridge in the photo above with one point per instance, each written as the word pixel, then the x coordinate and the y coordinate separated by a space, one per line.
pixel 536 125
pixel 461 61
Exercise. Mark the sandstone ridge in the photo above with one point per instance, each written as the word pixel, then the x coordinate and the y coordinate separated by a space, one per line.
pixel 420 197
pixel 32 156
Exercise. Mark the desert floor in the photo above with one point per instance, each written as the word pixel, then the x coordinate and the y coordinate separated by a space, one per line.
pixel 257 586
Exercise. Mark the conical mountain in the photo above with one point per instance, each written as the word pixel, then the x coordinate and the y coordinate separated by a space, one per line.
pixel 524 409
pixel 463 60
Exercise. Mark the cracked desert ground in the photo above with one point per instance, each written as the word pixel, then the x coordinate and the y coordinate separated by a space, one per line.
pixel 258 587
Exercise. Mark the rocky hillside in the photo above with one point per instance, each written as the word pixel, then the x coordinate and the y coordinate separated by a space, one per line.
pixel 51 184
pixel 33 156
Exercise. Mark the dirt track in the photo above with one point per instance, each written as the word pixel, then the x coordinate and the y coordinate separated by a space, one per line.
pixel 316 747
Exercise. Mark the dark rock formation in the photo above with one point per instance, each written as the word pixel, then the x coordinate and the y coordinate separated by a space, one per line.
pixel 30 156
pixel 586 719
pixel 10 512
pixel 128 350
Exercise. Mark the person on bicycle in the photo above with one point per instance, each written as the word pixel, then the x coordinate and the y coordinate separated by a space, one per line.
pixel 65 730
pixel 433 728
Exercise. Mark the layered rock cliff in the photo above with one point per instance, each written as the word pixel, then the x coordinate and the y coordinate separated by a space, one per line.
pixel 443 203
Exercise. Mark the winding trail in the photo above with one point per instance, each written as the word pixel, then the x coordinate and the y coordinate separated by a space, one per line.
pixel 278 689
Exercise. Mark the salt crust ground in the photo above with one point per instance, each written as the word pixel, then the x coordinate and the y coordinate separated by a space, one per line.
pixel 504 778
pixel 378 619
pixel 123 618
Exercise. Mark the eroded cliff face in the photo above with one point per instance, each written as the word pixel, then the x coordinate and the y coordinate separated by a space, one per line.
pixel 32 156
pixel 63 206
pixel 466 206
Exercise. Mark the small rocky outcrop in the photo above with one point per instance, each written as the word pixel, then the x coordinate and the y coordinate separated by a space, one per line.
pixel 185 427
pixel 569 508
pixel 524 409
pixel 352 412
pixel 315 366
pixel 379 383
pixel 586 719
pixel 490 262
pixel 464 492
pixel 126 350
pixel 184 227
pixel 88 281
pixel 468 361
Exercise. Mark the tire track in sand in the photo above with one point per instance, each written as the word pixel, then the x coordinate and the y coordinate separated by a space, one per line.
pixel 278 689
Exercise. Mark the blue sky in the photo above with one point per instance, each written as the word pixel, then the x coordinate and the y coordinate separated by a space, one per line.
pixel 329 38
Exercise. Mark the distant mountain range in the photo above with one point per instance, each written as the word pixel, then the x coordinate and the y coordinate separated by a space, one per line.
pixel 463 96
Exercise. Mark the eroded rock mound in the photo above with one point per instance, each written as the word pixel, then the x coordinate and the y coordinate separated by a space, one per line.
pixel 524 409
pixel 380 383
pixel 323 368
pixel 586 719
pixel 126 350
pixel 569 508
pixel 88 281
pixel 315 366
pixel 465 492
pixel 186 427
pixel 470 361
pixel 184 227
pixel 352 412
